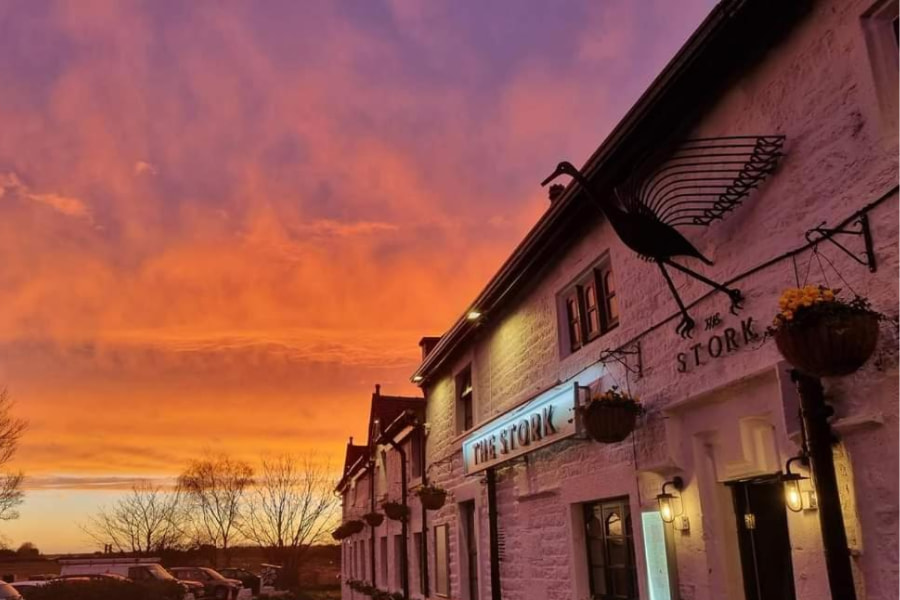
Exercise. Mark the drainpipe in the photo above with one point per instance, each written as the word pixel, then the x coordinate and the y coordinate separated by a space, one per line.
pixel 423 551
pixel 372 509
pixel 404 527
pixel 494 534
pixel 831 519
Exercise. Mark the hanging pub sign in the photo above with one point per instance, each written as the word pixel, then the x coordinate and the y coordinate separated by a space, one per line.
pixel 543 420
pixel 728 340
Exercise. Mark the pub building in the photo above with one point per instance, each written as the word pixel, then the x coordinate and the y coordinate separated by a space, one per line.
pixel 769 143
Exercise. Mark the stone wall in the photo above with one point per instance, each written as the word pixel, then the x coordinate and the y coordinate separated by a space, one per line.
pixel 817 89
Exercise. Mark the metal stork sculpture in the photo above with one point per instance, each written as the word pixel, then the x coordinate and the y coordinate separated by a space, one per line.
pixel 701 181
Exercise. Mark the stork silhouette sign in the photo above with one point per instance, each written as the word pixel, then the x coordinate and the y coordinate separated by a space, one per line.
pixel 700 182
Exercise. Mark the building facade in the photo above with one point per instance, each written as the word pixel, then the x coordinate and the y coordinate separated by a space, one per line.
pixel 538 510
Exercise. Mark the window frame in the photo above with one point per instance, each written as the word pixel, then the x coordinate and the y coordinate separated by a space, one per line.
pixel 469 553
pixel 577 330
pixel 465 400
pixel 442 590
pixel 398 567
pixel 383 571
pixel 418 538
pixel 416 458
pixel 879 23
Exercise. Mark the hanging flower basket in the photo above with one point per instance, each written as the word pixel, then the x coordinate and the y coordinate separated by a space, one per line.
pixel 610 416
pixel 355 526
pixel 822 335
pixel 374 519
pixel 432 496
pixel 395 511
pixel 340 533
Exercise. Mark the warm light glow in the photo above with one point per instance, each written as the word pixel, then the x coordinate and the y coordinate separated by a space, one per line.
pixel 417 378
pixel 473 315
pixel 665 508
pixel 792 496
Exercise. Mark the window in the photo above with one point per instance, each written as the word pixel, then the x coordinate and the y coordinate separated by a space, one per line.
pixel 467 513
pixel 442 560
pixel 590 306
pixel 415 454
pixel 880 27
pixel 398 562
pixel 384 561
pixel 610 550
pixel 363 551
pixel 465 410
pixel 420 554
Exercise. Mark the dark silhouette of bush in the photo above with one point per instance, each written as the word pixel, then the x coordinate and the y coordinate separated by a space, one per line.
pixel 107 590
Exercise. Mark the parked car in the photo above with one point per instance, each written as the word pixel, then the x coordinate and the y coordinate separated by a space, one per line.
pixel 29 585
pixel 249 580
pixel 92 577
pixel 8 592
pixel 135 569
pixel 215 585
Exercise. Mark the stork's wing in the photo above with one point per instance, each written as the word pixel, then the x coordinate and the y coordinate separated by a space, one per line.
pixel 703 179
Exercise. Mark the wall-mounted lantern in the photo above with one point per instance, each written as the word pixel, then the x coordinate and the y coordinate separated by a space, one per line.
pixel 793 495
pixel 667 502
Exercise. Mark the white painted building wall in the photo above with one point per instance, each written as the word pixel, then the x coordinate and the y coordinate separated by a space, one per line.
pixel 727 418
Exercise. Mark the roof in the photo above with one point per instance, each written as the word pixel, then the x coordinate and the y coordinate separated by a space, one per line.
pixel 386 410
pixel 353 454
pixel 732 37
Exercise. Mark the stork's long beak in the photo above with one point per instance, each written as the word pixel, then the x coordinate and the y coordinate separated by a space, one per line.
pixel 553 176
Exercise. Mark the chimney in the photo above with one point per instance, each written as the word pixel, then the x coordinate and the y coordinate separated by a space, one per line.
pixel 351 441
pixel 378 389
pixel 427 344
pixel 555 192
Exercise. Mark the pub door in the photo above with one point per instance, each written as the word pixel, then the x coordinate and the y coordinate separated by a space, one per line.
pixel 610 550
pixel 468 517
pixel 765 546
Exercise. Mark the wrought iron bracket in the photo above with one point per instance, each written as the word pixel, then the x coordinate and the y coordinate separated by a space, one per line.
pixel 629 357
pixel 820 233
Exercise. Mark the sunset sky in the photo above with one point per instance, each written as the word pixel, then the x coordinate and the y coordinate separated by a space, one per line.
pixel 221 223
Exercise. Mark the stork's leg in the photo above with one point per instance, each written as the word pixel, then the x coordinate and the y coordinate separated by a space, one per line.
pixel 687 323
pixel 735 295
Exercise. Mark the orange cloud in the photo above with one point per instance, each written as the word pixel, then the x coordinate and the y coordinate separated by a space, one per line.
pixel 10 184
pixel 222 224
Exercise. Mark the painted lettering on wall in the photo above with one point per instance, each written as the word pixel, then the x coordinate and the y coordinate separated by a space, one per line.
pixel 717 345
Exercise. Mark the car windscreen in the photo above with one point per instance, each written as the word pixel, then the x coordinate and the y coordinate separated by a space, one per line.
pixel 212 573
pixel 158 572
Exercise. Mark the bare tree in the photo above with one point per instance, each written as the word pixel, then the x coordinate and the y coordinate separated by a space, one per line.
pixel 215 487
pixel 11 429
pixel 290 508
pixel 149 519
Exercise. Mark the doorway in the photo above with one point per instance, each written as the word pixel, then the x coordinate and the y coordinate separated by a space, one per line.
pixel 763 539
pixel 610 550
pixel 468 517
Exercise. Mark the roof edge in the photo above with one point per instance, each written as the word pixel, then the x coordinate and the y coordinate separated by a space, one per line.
pixel 727 14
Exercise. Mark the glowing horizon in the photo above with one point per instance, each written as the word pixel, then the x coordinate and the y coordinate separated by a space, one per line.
pixel 222 224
